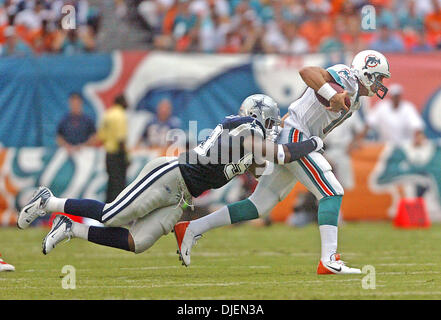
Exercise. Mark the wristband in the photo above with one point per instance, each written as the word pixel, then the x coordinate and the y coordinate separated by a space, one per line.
pixel 318 142
pixel 280 154
pixel 326 91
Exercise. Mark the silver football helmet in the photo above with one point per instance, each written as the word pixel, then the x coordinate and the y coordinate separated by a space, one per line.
pixel 264 109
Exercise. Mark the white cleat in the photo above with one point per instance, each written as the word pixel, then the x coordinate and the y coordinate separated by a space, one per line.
pixel 335 266
pixel 186 239
pixel 34 208
pixel 61 229
pixel 5 266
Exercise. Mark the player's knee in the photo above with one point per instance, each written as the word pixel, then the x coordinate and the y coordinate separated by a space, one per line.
pixel 144 242
pixel 263 206
pixel 142 246
pixel 145 238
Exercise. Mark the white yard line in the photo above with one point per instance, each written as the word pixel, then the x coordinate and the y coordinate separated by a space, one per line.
pixel 403 264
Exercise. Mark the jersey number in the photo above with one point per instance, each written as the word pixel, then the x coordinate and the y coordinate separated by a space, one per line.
pixel 233 169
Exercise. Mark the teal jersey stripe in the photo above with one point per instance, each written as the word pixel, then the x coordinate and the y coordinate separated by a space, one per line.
pixel 322 175
pixel 306 169
pixel 312 178
pixel 291 132
pixel 336 77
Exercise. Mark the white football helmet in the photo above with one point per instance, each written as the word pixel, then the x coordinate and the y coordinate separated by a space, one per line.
pixel 369 66
pixel 263 108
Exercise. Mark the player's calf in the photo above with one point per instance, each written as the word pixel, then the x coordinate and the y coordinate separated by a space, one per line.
pixel 64 228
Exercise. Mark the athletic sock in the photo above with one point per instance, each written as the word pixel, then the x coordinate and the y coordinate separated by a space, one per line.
pixel 78 207
pixel 236 212
pixel 55 204
pixel 213 220
pixel 114 237
pixel 329 235
pixel 329 208
pixel 80 230
pixel 84 208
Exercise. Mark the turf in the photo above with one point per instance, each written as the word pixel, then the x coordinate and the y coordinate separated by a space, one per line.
pixel 244 262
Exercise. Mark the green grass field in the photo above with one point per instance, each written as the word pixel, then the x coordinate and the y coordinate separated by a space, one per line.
pixel 241 262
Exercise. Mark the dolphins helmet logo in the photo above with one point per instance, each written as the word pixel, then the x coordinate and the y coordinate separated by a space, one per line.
pixel 371 61
pixel 344 73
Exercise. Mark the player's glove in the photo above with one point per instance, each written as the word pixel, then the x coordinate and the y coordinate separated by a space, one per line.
pixel 318 142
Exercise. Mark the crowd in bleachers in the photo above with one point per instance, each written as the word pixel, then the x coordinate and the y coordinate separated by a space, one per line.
pixel 290 26
pixel 35 27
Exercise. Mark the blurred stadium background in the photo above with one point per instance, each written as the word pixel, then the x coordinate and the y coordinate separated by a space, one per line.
pixel 199 59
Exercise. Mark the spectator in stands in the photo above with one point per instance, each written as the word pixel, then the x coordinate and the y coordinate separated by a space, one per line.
pixel 76 129
pixel 399 123
pixel 395 120
pixel 319 26
pixel 385 15
pixel 387 41
pixel 408 17
pixel 333 43
pixel 37 25
pixel 433 24
pixel 155 133
pixel 113 134
pixel 294 43
pixel 43 40
pixel 251 33
pixel 232 43
pixel 184 30
pixel 421 43
pixel 213 29
pixel 73 41
pixel 258 26
pixel 31 18
pixel 14 46
pixel 273 38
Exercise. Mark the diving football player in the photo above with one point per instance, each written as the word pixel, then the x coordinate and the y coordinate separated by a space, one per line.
pixel 152 202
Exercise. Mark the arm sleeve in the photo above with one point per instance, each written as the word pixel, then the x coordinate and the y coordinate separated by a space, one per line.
pixel 299 150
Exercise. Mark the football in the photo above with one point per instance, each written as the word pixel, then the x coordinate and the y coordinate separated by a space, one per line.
pixel 337 88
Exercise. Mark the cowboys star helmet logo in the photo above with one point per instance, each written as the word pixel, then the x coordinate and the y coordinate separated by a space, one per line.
pixel 371 62
pixel 259 104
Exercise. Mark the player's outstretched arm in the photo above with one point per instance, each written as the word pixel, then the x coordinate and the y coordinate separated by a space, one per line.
pixel 263 149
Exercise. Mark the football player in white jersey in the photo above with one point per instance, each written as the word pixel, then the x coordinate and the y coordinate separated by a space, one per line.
pixel 307 117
